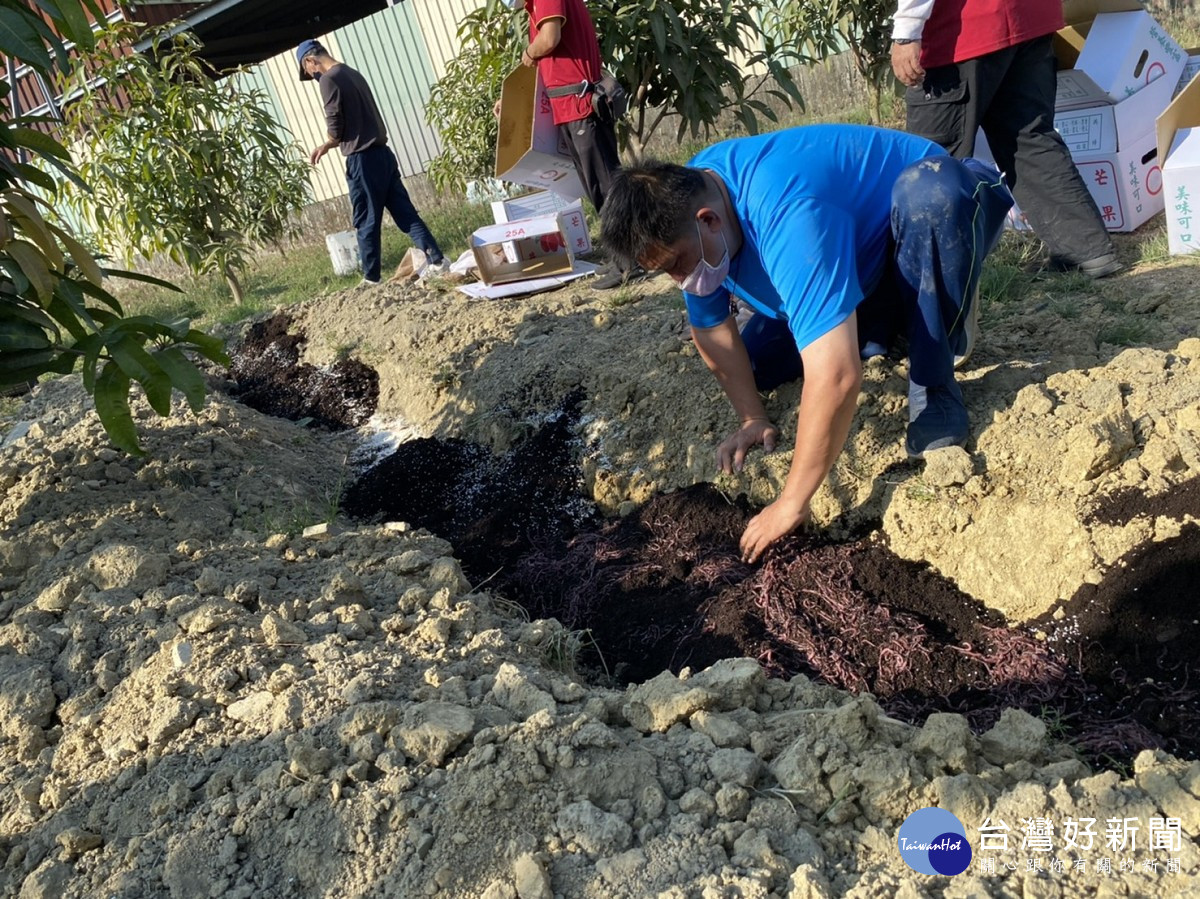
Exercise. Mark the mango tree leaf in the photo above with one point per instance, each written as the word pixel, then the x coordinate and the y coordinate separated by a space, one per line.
pixel 34 226
pixel 212 348
pixel 80 256
pixel 19 38
pixel 38 142
pixel 112 405
pixel 28 365
pixel 33 265
pixel 184 375
pixel 22 335
pixel 138 276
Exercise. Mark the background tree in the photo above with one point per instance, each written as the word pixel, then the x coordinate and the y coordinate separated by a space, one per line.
pixel 187 166
pixel 681 60
pixel 687 60
pixel 55 313
pixel 460 104
pixel 816 31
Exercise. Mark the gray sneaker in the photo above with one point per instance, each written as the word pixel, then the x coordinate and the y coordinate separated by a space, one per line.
pixel 611 276
pixel 970 331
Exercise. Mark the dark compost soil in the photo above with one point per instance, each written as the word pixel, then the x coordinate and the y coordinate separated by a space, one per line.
pixel 663 588
pixel 271 378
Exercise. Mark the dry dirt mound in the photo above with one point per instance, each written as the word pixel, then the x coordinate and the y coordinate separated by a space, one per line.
pixel 199 701
pixel 1061 417
pixel 197 704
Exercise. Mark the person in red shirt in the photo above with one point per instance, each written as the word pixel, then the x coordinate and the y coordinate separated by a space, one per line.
pixel 563 45
pixel 971 64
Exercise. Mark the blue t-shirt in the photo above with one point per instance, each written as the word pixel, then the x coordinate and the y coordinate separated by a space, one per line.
pixel 814 204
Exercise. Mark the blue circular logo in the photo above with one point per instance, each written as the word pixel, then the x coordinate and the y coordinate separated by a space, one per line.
pixel 933 841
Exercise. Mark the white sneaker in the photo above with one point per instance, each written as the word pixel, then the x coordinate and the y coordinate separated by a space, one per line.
pixel 436 268
pixel 367 282
pixel 970 330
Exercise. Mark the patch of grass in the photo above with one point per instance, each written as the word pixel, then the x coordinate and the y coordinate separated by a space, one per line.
pixel 300 272
pixel 921 492
pixel 623 296
pixel 291 515
pixel 1003 284
pixel 1065 307
pixel 1068 283
pixel 561 648
pixel 10 407
pixel 1125 332
pixel 1154 248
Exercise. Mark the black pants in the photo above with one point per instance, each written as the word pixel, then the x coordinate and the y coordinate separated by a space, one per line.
pixel 593 146
pixel 1010 94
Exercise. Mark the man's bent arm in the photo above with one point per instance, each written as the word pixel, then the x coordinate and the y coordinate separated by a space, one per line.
pixel 723 352
pixel 832 380
pixel 549 33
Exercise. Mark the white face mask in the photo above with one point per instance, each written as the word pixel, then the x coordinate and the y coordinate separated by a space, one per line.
pixel 704 279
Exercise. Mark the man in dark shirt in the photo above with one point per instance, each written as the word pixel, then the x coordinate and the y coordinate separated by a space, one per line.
pixel 356 128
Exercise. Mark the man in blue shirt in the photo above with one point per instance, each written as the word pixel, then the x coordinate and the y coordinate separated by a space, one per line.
pixel 840 237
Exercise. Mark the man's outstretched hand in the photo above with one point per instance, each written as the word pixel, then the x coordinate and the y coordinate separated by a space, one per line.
pixel 777 520
pixel 731 454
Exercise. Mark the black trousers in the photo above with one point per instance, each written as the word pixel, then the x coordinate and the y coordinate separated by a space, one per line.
pixel 1010 94
pixel 593 147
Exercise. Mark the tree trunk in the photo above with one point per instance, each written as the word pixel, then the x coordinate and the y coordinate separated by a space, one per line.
pixel 235 286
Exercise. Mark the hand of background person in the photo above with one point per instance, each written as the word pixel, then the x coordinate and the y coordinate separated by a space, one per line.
pixel 906 63
pixel 731 454
pixel 496 109
pixel 776 520
pixel 315 156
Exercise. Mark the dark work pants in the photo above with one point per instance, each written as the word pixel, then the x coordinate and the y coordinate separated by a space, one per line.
pixel 1010 94
pixel 946 216
pixel 375 187
pixel 593 148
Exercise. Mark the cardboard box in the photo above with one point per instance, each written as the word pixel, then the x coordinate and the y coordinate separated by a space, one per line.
pixel 1178 135
pixel 1125 51
pixel 1078 16
pixel 1090 122
pixel 516 251
pixel 1127 185
pixel 1190 69
pixel 528 147
pixel 547 202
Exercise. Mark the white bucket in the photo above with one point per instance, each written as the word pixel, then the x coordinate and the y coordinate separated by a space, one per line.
pixel 343 252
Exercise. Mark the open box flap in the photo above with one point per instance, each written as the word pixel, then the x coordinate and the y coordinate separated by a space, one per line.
pixel 1078 15
pixel 1184 112
pixel 1083 11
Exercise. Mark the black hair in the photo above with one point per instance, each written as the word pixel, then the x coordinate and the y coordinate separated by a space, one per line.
pixel 648 204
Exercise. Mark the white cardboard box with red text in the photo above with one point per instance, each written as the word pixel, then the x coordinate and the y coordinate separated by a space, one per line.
pixel 529 148
pixel 1179 143
pixel 1090 122
pixel 516 251
pixel 1126 185
pixel 546 202
pixel 1123 49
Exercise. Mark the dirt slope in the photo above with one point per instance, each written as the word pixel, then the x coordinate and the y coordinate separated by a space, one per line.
pixel 197 704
